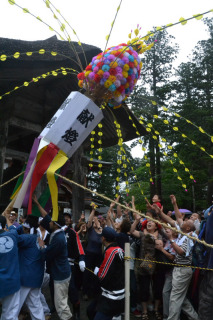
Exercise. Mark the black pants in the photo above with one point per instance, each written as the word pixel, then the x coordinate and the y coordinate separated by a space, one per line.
pixel 73 290
pixel 157 282
pixel 205 310
pixel 91 284
pixel 133 290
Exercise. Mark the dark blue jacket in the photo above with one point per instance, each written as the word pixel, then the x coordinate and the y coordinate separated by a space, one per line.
pixel 57 256
pixel 209 238
pixel 121 239
pixel 94 245
pixel 31 262
pixel 9 265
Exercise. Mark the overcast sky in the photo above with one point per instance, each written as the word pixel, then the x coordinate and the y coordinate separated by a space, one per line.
pixel 92 19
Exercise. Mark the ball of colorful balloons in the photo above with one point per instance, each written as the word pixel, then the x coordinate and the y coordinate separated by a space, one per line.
pixel 114 73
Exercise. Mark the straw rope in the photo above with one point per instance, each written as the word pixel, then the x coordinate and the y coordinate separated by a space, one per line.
pixel 159 262
pixel 135 211
pixel 18 175
pixel 123 206
pixel 169 263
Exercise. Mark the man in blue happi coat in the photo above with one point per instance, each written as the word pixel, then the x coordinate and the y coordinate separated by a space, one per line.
pixel 9 273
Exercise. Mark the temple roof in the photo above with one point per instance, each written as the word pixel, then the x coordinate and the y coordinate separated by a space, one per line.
pixel 29 108
pixel 64 49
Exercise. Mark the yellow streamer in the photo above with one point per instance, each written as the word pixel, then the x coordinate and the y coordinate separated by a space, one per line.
pixel 59 160
pixel 16 192
pixel 40 152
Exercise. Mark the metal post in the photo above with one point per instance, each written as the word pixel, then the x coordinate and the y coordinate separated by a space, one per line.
pixel 127 282
pixel 3 145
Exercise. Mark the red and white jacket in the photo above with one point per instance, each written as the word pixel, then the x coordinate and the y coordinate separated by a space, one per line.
pixel 111 273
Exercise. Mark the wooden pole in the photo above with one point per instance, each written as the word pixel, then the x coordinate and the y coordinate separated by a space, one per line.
pixel 9 207
pixel 79 177
pixel 3 144
pixel 127 282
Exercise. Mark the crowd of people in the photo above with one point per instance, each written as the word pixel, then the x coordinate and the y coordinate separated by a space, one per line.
pixel 85 261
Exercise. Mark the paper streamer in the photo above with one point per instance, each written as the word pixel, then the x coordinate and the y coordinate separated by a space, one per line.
pixel 32 157
pixel 40 168
pixel 45 199
pixel 23 190
pixel 63 172
pixel 18 184
pixel 21 194
pixel 57 163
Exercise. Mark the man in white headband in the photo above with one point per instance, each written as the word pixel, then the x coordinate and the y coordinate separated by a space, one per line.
pixel 13 218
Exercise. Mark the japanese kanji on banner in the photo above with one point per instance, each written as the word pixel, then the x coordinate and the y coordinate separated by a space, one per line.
pixel 109 78
pixel 62 136
pixel 72 123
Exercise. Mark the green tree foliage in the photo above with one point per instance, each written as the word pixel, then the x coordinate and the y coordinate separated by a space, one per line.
pixel 188 92
pixel 155 84
pixel 191 97
pixel 106 184
pixel 170 185
pixel 193 91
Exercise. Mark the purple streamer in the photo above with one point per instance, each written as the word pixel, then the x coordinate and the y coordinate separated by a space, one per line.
pixel 33 154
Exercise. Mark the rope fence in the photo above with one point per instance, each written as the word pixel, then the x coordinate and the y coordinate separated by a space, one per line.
pixel 122 206
pixel 159 262
pixel 137 212
pixel 169 263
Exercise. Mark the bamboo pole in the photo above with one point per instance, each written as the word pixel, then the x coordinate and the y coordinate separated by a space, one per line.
pixel 127 282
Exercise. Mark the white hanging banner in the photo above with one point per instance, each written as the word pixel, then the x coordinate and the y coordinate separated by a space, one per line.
pixel 43 143
pixel 57 115
pixel 72 123
pixel 68 128
pixel 22 192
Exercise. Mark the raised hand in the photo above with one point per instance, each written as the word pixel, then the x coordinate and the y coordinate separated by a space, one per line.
pixel 173 199
pixel 159 244
pixel 156 208
pixel 148 204
pixel 34 198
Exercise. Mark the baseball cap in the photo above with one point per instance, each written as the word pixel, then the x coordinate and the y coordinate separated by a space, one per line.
pixel 67 214
pixel 59 222
pixel 109 234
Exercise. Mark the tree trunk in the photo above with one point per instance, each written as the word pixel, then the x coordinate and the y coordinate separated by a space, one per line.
pixel 3 145
pixel 210 182
pixel 152 166
pixel 156 149
pixel 79 173
pixel 158 169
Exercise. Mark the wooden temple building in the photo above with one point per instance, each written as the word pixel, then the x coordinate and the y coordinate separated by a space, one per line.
pixel 25 111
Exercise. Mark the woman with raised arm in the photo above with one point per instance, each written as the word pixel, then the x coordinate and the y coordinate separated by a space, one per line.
pixel 150 237
pixel 93 256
